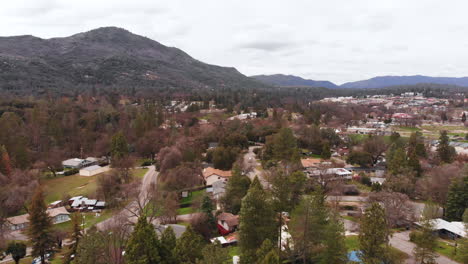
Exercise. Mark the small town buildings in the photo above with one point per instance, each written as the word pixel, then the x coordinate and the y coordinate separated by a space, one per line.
pixel 447 229
pixel 77 163
pixel 20 222
pixel 211 175
pixel 227 223
pixel 93 170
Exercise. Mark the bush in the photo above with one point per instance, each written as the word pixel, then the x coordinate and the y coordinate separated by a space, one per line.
pixel 349 207
pixel 413 236
pixel 146 162
pixel 366 180
pixel 376 187
pixel 71 172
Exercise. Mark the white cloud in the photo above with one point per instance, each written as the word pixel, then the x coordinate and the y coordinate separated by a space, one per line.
pixel 335 40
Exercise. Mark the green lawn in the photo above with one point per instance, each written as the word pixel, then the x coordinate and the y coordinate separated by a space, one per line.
pixel 411 129
pixel 234 251
pixel 186 210
pixel 352 243
pixel 192 197
pixel 26 260
pixel 361 187
pixel 139 173
pixel 72 185
pixel 448 250
pixel 350 218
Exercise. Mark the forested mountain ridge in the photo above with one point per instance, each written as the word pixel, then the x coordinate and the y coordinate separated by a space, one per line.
pixel 386 81
pixel 376 82
pixel 291 80
pixel 106 57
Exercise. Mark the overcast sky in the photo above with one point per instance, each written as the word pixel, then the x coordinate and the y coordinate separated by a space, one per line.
pixel 336 40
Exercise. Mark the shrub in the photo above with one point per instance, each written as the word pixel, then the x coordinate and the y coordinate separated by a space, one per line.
pixel 71 172
pixel 146 162
pixel 366 180
pixel 413 236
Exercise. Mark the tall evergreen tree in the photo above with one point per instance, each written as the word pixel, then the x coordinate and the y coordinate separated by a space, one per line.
pixel 308 225
pixel 374 235
pixel 396 159
pixel 236 189
pixel 214 253
pixel 5 162
pixel 326 153
pixel 189 247
pixel 119 146
pixel 207 208
pixel 457 199
pixel 168 243
pixel 40 226
pixel 426 243
pixel 75 236
pixel 413 163
pixel 445 152
pixel 267 253
pixel 257 222
pixel 335 246
pixel 143 245
pixel 285 145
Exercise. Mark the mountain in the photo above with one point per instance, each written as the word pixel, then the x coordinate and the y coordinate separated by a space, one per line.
pixel 107 57
pixel 386 81
pixel 291 80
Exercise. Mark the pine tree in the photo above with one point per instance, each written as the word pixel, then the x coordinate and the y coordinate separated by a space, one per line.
pixel 463 251
pixel 267 253
pixel 396 159
pixel 214 253
pixel 426 242
pixel 326 153
pixel 335 245
pixel 236 189
pixel 308 224
pixel 257 222
pixel 5 162
pixel 189 247
pixel 168 243
pixel 119 146
pixel 457 199
pixel 374 235
pixel 75 236
pixel 143 245
pixel 207 208
pixel 463 118
pixel 413 163
pixel 17 250
pixel 444 150
pixel 40 226
pixel 285 145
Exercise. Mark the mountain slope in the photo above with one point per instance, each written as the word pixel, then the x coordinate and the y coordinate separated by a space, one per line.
pixel 106 57
pixel 385 81
pixel 291 80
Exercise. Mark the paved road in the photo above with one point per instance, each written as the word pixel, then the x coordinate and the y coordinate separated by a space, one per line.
pixel 250 158
pixel 150 177
pixel 401 242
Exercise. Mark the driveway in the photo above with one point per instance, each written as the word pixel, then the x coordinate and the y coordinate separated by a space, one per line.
pixel 250 158
pixel 401 242
pixel 150 177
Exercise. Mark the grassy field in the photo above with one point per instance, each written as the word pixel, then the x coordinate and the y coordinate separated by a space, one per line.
pixel 448 250
pixel 72 185
pixel 352 243
pixel 139 173
pixel 234 251
pixel 193 199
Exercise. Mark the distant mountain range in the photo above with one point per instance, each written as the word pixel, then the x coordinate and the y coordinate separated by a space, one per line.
pixel 291 80
pixel 107 57
pixel 376 82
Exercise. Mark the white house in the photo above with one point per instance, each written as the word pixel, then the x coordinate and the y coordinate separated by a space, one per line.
pixel 93 170
pixel 445 228
pixel 77 163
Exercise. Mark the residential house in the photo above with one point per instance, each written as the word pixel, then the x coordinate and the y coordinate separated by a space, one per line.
pixel 447 229
pixel 211 175
pixel 227 223
pixel 77 163
pixel 58 215
pixel 93 170
pixel 310 163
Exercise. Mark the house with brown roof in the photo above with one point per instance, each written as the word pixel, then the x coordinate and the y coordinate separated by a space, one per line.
pixel 212 175
pixel 58 215
pixel 227 223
